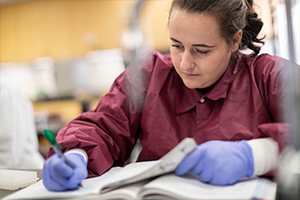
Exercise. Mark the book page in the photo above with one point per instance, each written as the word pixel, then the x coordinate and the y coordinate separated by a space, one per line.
pixel 166 164
pixel 189 187
pixel 130 170
pixel 89 186
pixel 127 192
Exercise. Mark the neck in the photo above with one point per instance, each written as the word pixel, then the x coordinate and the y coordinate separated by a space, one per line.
pixel 205 90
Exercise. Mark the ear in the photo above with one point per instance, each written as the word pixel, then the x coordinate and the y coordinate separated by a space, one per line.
pixel 236 40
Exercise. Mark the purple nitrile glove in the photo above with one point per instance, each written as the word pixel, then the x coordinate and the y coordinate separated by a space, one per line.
pixel 58 176
pixel 219 162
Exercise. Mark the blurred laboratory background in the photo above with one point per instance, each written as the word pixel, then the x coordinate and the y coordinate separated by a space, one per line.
pixel 65 54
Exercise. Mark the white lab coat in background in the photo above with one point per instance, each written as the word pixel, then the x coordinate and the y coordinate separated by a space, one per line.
pixel 18 137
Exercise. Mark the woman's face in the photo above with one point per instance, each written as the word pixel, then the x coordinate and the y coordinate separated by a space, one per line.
pixel 199 54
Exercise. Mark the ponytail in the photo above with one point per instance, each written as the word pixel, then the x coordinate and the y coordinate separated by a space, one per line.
pixel 251 30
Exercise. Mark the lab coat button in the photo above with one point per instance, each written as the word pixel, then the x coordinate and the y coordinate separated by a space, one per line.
pixel 202 100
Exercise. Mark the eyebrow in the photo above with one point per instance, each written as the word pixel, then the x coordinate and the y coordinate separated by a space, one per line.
pixel 197 45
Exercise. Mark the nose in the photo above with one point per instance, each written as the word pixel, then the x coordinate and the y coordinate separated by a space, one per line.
pixel 187 61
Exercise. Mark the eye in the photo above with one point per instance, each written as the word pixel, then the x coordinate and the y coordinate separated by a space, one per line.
pixel 201 52
pixel 177 46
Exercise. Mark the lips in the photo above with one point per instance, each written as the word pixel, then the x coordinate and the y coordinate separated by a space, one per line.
pixel 189 75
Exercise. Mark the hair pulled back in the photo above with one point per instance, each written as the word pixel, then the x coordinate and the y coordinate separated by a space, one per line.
pixel 232 15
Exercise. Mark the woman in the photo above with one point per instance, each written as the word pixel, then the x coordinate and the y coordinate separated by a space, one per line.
pixel 206 89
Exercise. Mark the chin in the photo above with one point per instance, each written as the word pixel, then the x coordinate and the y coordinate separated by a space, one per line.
pixel 191 86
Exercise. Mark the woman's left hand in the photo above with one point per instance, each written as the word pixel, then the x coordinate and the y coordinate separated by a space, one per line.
pixel 219 162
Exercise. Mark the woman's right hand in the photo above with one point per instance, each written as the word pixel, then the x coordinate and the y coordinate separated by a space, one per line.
pixel 58 176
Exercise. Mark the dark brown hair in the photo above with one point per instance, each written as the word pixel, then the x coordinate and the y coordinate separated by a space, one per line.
pixel 232 15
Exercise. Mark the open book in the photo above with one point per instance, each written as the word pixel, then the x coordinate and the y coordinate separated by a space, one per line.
pixel 188 187
pixel 154 180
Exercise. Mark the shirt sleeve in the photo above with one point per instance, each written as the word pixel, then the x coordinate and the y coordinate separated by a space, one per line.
pixel 79 151
pixel 272 79
pixel 265 155
pixel 109 132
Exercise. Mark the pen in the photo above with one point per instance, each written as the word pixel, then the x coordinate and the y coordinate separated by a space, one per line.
pixel 57 148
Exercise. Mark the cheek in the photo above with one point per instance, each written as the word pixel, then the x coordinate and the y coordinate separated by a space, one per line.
pixel 219 67
pixel 214 67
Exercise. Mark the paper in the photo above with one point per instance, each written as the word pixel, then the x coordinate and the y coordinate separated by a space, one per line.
pixel 166 164
pixel 89 186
